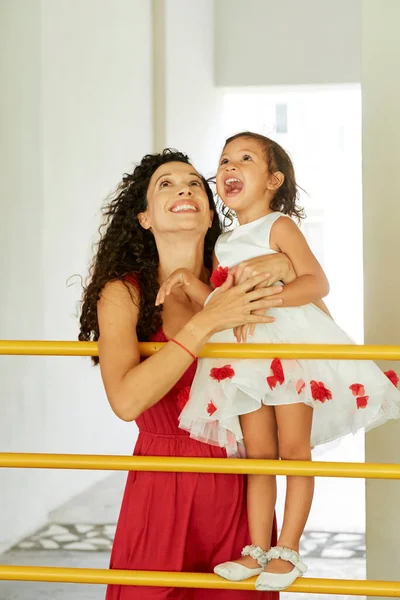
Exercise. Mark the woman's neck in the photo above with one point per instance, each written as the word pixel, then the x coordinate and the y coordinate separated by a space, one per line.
pixel 180 254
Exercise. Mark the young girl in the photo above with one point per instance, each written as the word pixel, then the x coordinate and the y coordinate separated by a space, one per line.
pixel 276 408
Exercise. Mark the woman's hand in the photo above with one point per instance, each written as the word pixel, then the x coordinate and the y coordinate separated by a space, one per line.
pixel 277 266
pixel 233 305
pixel 126 377
pixel 243 331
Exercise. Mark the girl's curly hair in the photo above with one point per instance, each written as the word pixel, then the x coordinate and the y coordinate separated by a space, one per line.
pixel 126 248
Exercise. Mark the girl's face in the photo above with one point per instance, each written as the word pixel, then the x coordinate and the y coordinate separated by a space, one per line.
pixel 244 183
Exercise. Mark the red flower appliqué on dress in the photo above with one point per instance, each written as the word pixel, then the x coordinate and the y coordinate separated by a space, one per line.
pixel 219 276
pixel 359 392
pixel 320 392
pixel 357 389
pixel 221 373
pixel 300 385
pixel 277 374
pixel 392 375
pixel 211 408
pixel 362 401
pixel 183 397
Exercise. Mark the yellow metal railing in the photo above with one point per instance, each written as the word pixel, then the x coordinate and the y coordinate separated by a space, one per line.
pixel 179 464
pixel 308 585
pixel 304 351
pixel 182 464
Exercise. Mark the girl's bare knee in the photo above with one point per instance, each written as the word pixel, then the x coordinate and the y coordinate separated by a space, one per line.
pixel 294 451
pixel 265 451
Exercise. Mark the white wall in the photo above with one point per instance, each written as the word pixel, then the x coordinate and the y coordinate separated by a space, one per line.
pixel 22 384
pixel 192 103
pixel 323 139
pixel 381 209
pixel 287 42
pixel 77 111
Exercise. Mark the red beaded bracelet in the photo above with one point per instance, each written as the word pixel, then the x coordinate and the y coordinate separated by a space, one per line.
pixel 183 348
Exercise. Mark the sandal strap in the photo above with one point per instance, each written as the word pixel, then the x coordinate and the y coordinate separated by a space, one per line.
pixel 287 554
pixel 257 554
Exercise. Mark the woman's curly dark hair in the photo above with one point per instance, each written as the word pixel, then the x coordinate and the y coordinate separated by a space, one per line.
pixel 287 195
pixel 126 248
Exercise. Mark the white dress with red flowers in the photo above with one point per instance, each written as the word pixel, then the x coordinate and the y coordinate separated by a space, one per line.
pixel 346 395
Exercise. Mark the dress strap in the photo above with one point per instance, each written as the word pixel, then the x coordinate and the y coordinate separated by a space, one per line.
pixel 134 280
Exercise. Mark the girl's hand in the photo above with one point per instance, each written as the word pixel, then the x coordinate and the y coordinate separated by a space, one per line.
pixel 243 331
pixel 232 306
pixel 179 278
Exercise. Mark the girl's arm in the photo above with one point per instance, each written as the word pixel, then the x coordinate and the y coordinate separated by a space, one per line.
pixel 195 289
pixel 311 284
pixel 322 306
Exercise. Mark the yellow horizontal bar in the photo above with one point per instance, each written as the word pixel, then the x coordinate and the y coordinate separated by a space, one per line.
pixel 177 464
pixel 389 589
pixel 332 351
pixel 47 348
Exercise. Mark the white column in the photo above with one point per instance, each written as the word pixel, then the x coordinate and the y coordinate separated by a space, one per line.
pixel 381 209
pixel 188 104
pixel 97 122
pixel 75 114
pixel 22 401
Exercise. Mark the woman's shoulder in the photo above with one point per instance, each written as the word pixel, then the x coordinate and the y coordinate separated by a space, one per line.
pixel 124 285
pixel 120 294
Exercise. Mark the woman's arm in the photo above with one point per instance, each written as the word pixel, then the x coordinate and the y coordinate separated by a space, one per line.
pixel 311 283
pixel 126 379
pixel 278 266
pixel 133 386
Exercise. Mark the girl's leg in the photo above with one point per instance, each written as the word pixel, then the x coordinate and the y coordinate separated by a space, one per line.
pixel 261 441
pixel 294 432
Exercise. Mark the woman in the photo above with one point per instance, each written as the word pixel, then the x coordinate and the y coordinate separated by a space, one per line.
pixel 163 217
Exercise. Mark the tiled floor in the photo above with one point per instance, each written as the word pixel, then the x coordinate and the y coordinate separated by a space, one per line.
pixel 80 534
pixel 98 538
pixel 93 538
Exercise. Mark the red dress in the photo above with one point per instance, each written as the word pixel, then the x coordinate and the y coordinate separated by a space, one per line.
pixel 178 521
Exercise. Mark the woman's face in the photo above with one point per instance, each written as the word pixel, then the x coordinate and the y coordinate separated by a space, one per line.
pixel 176 201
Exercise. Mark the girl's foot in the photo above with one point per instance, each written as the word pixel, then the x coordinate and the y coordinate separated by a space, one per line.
pixel 251 563
pixel 248 562
pixel 277 565
pixel 283 568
